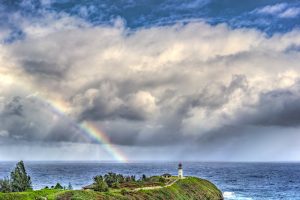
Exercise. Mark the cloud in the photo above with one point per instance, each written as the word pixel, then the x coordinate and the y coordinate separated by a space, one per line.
pixel 282 10
pixel 273 9
pixel 194 85
pixel 4 133
pixel 30 119
pixel 107 102
pixel 141 105
pixel 290 13
pixel 279 107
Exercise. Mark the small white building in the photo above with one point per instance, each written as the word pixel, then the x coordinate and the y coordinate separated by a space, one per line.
pixel 180 171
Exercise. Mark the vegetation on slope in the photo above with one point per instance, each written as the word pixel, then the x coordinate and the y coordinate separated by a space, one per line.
pixel 183 189
pixel 49 194
pixel 111 186
pixel 118 181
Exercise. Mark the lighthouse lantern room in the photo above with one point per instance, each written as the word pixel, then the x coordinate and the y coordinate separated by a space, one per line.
pixel 180 171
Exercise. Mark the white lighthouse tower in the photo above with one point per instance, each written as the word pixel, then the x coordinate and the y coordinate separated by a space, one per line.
pixel 180 171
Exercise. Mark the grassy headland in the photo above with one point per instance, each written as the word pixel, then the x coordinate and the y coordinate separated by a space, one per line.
pixel 188 188
pixel 111 186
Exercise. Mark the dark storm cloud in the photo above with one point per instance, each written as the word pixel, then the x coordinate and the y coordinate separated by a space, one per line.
pixel 168 129
pixel 279 107
pixel 105 101
pixel 123 132
pixel 276 113
pixel 14 119
pixel 14 107
pixel 29 119
pixel 44 68
pixel 65 131
pixel 210 99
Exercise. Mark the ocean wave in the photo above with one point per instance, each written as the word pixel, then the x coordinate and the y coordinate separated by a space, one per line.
pixel 228 195
pixel 233 196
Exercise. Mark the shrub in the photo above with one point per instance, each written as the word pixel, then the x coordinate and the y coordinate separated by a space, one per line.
pixel 116 185
pixel 124 192
pixel 5 185
pixel 113 178
pixel 99 184
pixel 162 180
pixel 132 178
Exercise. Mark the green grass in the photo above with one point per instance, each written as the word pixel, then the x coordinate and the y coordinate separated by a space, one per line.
pixel 190 188
pixel 50 194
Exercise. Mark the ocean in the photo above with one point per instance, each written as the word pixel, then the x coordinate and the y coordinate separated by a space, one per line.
pixel 238 181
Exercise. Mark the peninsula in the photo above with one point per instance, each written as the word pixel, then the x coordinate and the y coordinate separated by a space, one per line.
pixel 112 186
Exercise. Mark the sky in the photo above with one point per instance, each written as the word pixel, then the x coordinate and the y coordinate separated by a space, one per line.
pixel 201 80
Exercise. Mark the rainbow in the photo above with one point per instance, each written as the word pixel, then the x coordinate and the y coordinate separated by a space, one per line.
pixel 61 108
pixel 100 136
pixel 86 128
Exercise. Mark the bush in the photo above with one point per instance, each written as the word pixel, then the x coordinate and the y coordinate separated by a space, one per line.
pixel 20 181
pixel 116 185
pixel 132 178
pixel 113 178
pixel 99 184
pixel 5 185
pixel 124 192
pixel 162 180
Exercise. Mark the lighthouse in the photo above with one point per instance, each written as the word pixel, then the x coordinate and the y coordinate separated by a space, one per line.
pixel 180 171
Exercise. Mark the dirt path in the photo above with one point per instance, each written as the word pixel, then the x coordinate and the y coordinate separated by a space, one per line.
pixel 156 187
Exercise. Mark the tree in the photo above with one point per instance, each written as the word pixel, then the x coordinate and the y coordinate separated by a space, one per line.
pixel 110 178
pixel 132 178
pixel 20 181
pixel 127 179
pixel 99 184
pixel 58 186
pixel 144 177
pixel 70 187
pixel 120 178
pixel 5 185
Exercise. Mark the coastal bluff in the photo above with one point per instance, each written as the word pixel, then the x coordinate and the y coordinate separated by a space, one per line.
pixel 184 189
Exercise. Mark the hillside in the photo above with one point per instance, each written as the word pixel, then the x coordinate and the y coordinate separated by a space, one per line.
pixel 188 188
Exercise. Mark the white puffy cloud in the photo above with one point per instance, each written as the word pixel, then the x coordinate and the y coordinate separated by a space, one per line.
pixel 273 9
pixel 153 86
pixel 142 104
pixel 282 10
pixel 290 13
